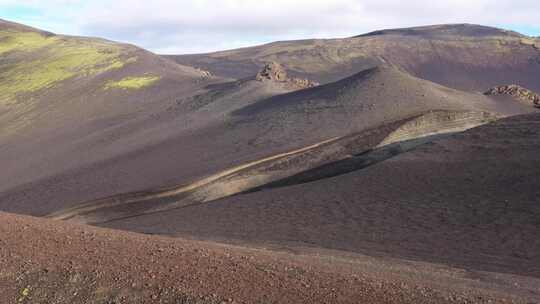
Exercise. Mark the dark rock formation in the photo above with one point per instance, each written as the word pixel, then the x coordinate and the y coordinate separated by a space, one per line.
pixel 517 92
pixel 534 42
pixel 274 71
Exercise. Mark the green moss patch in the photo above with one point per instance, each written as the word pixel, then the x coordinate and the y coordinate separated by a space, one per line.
pixel 35 62
pixel 132 83
pixel 23 41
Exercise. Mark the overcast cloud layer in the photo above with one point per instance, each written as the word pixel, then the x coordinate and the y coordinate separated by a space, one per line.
pixel 190 26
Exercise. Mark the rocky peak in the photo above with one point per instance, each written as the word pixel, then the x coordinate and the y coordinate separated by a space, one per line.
pixel 274 71
pixel 517 92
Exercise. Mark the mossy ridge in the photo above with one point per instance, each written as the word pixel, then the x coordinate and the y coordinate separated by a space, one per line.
pixel 24 41
pixel 132 83
pixel 59 59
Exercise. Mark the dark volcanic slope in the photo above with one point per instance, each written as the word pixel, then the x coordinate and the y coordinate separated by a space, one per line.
pixel 448 30
pixel 86 118
pixel 364 100
pixel 201 147
pixel 468 57
pixel 470 200
pixel 68 102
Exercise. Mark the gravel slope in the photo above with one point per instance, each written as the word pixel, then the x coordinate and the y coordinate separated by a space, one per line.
pixel 56 262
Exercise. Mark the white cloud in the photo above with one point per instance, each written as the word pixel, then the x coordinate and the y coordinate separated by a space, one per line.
pixel 205 25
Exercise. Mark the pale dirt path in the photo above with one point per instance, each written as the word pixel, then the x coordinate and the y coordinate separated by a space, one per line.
pixel 142 196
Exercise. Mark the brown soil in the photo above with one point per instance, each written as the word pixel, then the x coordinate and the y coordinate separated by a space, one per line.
pixel 54 262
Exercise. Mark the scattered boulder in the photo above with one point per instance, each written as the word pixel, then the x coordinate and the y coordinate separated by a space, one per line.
pixel 517 92
pixel 205 74
pixel 304 82
pixel 274 71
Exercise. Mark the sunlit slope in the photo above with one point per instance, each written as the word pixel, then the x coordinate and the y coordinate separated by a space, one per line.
pixel 67 101
pixel 38 68
pixel 32 61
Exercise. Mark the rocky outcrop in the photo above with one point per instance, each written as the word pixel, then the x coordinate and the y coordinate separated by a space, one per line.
pixel 274 71
pixel 438 123
pixel 204 75
pixel 517 92
pixel 534 42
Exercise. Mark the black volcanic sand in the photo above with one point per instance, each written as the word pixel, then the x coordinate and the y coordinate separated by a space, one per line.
pixel 470 200
pixel 188 142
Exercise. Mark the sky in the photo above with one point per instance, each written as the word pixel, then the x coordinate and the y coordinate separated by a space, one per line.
pixel 197 26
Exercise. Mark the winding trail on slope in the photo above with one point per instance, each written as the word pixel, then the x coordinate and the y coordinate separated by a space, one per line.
pixel 123 199
pixel 325 159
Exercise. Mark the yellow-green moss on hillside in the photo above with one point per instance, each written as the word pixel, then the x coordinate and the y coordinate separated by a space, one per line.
pixel 23 41
pixel 38 62
pixel 132 82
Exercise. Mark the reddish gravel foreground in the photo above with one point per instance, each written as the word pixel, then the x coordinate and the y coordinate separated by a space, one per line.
pixel 44 261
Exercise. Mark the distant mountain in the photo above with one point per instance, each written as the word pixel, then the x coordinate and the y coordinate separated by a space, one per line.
pixel 461 56
pixel 449 31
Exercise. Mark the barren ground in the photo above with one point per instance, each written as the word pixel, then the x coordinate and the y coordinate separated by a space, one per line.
pixel 56 262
